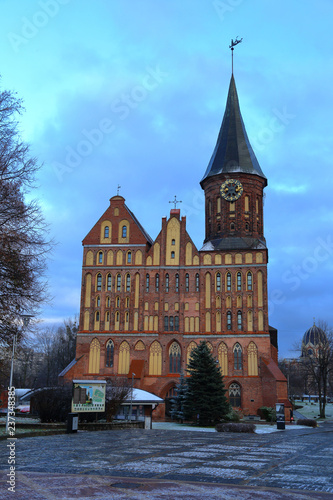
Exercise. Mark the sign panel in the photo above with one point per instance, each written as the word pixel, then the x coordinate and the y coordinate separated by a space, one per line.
pixel 88 395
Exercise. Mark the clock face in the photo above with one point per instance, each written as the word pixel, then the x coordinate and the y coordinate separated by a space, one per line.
pixel 231 190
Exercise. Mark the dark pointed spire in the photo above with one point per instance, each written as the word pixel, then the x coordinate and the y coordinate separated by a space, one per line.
pixel 233 151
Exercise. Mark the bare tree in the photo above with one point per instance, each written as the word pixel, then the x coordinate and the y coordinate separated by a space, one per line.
pixel 117 391
pixel 43 355
pixel 24 243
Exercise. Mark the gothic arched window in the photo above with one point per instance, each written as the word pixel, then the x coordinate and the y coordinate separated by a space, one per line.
pixel 239 320
pixel 235 395
pixel 174 358
pixel 237 357
pixel 109 353
pixel 229 320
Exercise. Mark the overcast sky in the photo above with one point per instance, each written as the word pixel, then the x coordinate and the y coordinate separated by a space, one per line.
pixel 132 92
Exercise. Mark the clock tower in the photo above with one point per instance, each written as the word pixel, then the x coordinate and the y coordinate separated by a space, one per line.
pixel 233 185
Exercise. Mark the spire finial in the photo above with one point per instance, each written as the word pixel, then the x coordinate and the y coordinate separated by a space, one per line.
pixel 314 321
pixel 118 187
pixel 232 46
pixel 175 201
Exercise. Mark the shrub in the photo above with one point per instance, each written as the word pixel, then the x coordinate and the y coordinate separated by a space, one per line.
pixel 268 413
pixel 53 403
pixel 307 421
pixel 232 416
pixel 235 427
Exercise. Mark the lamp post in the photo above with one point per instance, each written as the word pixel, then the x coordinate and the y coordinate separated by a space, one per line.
pixel 130 413
pixel 26 319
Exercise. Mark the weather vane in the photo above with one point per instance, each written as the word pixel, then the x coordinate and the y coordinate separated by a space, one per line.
pixel 118 187
pixel 232 46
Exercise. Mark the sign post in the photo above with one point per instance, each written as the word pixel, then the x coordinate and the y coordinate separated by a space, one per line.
pixel 88 396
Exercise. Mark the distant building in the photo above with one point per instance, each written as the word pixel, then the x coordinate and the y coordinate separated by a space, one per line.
pixel 147 303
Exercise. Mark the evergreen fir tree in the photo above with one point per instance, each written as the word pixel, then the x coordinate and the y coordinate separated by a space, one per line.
pixel 177 410
pixel 205 401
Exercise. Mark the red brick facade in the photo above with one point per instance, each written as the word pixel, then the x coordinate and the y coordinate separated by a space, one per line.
pixel 145 304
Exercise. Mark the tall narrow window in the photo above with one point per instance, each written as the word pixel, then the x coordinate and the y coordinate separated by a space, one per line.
pixel 166 323
pixel 218 282
pixel 100 257
pixel 118 282
pixel 147 282
pixel 157 282
pixel 239 281
pixel 228 320
pixel 177 282
pixel 172 254
pixel 108 282
pixel 197 282
pixel 176 323
pixel 173 242
pixel 109 353
pixel 235 395
pixel 99 282
pixel 98 301
pixel 237 357
pixel 166 282
pixel 107 301
pixel 171 323
pixel 249 281
pixel 239 320
pixel 174 358
pixel 187 282
pixel 106 232
pixel 129 257
pixel 228 282
pixel 124 232
pixel 128 282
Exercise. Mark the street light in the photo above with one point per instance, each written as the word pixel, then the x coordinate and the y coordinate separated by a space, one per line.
pixel 26 319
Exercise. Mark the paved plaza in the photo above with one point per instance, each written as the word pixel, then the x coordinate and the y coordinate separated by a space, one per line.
pixel 170 464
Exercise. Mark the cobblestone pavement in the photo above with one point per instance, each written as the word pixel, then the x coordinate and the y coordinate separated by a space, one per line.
pixel 164 464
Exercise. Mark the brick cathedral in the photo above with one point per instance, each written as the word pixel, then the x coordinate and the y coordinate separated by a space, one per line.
pixel 145 304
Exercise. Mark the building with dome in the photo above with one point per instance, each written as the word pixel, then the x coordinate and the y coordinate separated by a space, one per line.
pixel 313 338
pixel 146 303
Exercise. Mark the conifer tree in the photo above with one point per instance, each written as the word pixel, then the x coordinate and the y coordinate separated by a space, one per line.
pixel 178 402
pixel 205 402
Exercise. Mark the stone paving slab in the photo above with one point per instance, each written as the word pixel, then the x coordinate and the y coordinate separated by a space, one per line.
pixel 172 464
pixel 31 486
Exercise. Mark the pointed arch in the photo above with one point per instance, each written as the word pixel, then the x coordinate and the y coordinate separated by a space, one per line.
pixel 260 288
pixel 238 358
pixel 192 345
pixel 87 299
pixel 218 321
pixel 249 321
pixel 94 356
pixel 208 290
pixel 124 358
pixel 86 321
pixel 235 395
pixel 174 357
pixel 138 258
pixel 109 353
pixel 89 258
pixel 139 346
pixel 155 358
pixel 223 358
pixel 252 359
